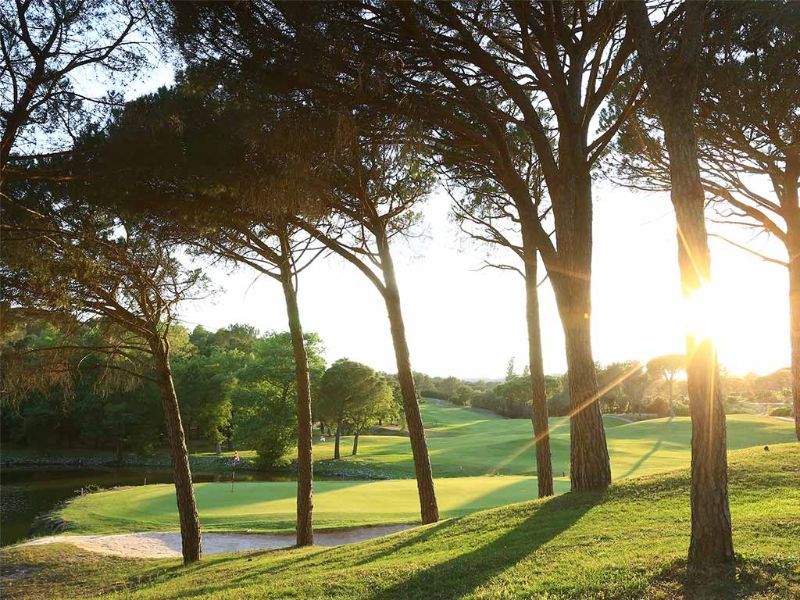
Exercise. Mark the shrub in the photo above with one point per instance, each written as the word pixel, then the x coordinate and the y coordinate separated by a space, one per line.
pixel 659 406
pixel 781 411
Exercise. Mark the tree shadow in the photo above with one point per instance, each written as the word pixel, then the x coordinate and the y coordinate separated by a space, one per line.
pixel 466 572
pixel 643 458
pixel 749 578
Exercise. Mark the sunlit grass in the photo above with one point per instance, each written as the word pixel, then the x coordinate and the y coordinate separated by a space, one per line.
pixel 463 442
pixel 629 542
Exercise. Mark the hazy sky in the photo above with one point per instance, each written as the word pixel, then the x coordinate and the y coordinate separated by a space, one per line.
pixel 468 323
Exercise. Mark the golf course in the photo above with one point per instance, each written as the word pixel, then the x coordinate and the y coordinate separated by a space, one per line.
pixel 637 531
pixel 480 461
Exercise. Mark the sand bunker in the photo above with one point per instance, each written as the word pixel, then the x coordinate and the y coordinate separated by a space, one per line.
pixel 168 544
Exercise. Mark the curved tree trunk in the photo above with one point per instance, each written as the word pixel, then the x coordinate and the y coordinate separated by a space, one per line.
pixel 541 431
pixel 184 492
pixel 355 443
pixel 419 446
pixel 711 544
pixel 305 461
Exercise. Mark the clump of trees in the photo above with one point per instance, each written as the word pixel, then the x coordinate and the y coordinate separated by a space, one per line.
pixel 353 396
pixel 236 386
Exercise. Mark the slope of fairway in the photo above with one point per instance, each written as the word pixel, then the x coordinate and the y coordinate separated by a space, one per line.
pixel 629 542
pixel 271 506
pixel 478 442
pixel 464 441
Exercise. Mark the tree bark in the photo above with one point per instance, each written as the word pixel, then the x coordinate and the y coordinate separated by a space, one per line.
pixel 673 87
pixel 419 447
pixel 355 443
pixel 336 454
pixel 793 245
pixel 711 544
pixel 590 468
pixel 541 431
pixel 671 402
pixel 305 459
pixel 184 492
pixel 791 211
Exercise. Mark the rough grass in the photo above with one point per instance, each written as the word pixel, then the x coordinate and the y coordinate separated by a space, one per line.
pixel 629 542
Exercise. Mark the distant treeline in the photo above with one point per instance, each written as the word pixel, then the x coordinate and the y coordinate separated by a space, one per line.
pixel 236 388
pixel 632 389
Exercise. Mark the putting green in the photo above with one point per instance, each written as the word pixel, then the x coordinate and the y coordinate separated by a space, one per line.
pixel 497 452
pixel 270 506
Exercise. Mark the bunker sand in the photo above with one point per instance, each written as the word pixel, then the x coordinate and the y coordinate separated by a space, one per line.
pixel 168 544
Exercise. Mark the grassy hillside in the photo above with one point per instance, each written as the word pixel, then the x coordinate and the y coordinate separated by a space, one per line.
pixel 461 441
pixel 465 442
pixel 629 542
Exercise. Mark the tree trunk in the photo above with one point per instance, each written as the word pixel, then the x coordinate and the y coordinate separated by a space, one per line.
pixel 793 247
pixel 336 454
pixel 355 443
pixel 419 446
pixel 671 402
pixel 794 329
pixel 181 472
pixel 711 543
pixel 590 468
pixel 305 459
pixel 541 431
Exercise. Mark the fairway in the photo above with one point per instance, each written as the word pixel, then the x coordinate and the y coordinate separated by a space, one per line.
pixel 626 543
pixel 269 507
pixel 468 442
pixel 480 460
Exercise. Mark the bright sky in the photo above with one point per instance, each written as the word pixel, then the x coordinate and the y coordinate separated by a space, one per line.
pixel 468 323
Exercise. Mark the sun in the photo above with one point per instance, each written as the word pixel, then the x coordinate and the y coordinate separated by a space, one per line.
pixel 704 314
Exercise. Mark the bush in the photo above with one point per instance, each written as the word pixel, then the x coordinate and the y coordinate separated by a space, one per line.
pixel 781 411
pixel 681 410
pixel 273 445
pixel 659 406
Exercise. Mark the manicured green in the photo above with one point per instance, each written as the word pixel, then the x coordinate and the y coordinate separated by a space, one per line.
pixel 465 442
pixel 271 506
pixel 461 441
pixel 629 542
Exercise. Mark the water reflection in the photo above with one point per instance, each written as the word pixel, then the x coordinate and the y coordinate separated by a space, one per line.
pixel 28 492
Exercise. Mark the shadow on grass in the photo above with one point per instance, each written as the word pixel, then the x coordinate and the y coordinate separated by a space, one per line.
pixel 750 578
pixel 643 458
pixel 470 570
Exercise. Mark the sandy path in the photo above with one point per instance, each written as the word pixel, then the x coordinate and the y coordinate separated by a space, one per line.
pixel 168 544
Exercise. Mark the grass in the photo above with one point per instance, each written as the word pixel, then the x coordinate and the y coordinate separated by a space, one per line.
pixel 629 542
pixel 469 442
pixel 270 506
pixel 462 441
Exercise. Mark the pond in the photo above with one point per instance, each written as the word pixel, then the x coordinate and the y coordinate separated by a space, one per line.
pixel 28 492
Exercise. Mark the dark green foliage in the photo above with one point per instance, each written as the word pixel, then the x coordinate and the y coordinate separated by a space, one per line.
pixel 234 385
